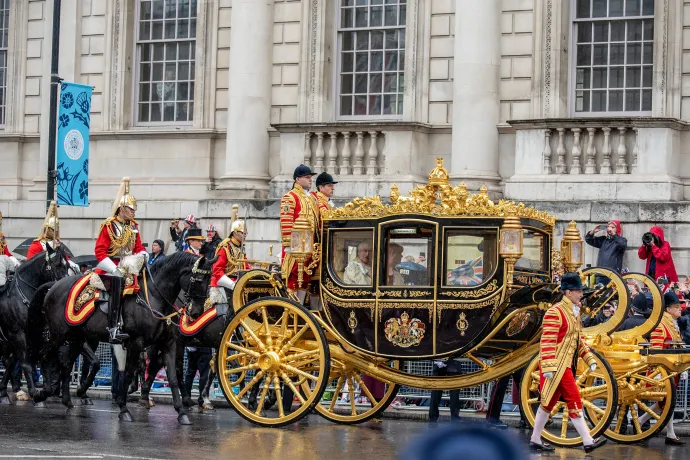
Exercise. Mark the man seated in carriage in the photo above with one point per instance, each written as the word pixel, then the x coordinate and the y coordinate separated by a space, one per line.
pixel 118 238
pixel 358 270
pixel 394 257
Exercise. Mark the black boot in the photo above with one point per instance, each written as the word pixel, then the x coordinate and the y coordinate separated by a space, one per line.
pixel 114 310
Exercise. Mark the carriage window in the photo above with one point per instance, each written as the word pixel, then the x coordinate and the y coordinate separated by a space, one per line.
pixel 405 256
pixel 351 256
pixel 471 256
pixel 533 251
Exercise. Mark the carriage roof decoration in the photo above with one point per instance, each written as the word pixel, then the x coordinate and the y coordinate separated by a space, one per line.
pixel 438 198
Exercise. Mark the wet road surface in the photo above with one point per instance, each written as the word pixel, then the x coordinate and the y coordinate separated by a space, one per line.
pixel 94 432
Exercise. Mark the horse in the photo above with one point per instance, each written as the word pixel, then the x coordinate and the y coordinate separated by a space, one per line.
pixel 45 267
pixel 145 320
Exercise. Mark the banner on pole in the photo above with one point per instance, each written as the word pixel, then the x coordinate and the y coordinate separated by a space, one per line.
pixel 74 118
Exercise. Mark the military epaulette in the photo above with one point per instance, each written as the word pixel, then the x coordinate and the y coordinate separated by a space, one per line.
pixel 222 245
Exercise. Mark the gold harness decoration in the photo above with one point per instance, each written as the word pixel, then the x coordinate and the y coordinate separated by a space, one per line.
pixel 122 244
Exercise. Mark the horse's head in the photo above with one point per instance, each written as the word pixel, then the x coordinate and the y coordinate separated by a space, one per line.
pixel 47 266
pixel 196 291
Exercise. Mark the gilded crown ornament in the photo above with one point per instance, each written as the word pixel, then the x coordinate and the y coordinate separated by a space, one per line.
pixel 437 198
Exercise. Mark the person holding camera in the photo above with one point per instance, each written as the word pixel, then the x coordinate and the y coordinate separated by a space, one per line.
pixel 611 247
pixel 180 236
pixel 657 251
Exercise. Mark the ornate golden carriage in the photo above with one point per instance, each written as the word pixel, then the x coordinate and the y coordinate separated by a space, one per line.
pixel 440 274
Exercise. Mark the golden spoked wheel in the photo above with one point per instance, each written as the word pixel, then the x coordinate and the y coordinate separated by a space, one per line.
pixel 613 290
pixel 638 392
pixel 349 385
pixel 278 343
pixel 599 393
pixel 256 283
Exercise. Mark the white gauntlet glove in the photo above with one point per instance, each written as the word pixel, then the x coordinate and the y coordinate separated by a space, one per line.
pixel 108 266
pixel 548 375
pixel 14 261
pixel 593 367
pixel 146 256
pixel 74 267
pixel 226 282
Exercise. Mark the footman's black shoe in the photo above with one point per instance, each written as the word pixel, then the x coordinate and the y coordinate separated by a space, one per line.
pixel 597 444
pixel 498 425
pixel 534 447
pixel 674 442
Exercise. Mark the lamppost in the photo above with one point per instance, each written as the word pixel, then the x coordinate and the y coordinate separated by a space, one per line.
pixel 54 82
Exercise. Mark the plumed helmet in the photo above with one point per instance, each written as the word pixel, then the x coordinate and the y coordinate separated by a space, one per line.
pixel 124 197
pixel 238 226
pixel 51 222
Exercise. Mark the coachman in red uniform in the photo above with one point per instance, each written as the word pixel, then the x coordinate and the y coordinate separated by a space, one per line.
pixel 666 335
pixel 118 237
pixel 562 344
pixel 297 203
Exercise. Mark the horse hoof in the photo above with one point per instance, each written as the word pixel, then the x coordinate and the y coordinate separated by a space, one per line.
pixel 5 401
pixel 183 419
pixel 40 405
pixel 125 417
pixel 86 402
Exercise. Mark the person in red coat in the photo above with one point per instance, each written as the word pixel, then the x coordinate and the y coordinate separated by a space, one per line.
pixel 561 345
pixel 118 237
pixel 47 237
pixel 657 252
pixel 231 259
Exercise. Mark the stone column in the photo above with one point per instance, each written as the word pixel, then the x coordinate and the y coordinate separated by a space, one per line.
pixel 475 93
pixel 249 99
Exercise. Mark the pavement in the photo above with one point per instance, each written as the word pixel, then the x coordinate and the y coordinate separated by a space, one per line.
pixel 94 432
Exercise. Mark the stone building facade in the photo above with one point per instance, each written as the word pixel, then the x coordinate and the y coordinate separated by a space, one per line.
pixel 580 105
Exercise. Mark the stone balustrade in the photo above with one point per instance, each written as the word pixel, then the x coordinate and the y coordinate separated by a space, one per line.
pixel 344 152
pixel 605 149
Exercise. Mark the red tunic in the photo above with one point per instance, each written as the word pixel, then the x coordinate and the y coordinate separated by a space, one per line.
pixel 664 333
pixel 6 252
pixel 35 248
pixel 107 246
pixel 291 205
pixel 229 254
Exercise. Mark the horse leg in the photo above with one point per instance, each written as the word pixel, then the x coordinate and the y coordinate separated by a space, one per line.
pixel 26 367
pixel 171 365
pixel 153 368
pixel 94 367
pixel 188 380
pixel 9 364
pixel 125 380
pixel 68 355
pixel 51 374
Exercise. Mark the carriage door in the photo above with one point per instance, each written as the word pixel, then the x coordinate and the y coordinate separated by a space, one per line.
pixel 405 292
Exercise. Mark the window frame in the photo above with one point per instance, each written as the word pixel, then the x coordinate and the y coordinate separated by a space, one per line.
pixel 382 251
pixel 337 37
pixel 572 63
pixel 331 271
pixel 136 73
pixel 547 256
pixel 444 261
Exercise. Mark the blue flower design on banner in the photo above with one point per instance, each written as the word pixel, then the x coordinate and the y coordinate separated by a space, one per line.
pixel 73 145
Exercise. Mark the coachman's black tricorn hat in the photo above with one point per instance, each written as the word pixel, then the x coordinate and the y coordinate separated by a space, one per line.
pixel 571 282
pixel 301 171
pixel 324 179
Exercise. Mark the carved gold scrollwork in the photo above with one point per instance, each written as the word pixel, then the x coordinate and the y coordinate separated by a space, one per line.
pixel 493 301
pixel 344 292
pixel 406 305
pixel 437 198
pixel 491 287
pixel 332 301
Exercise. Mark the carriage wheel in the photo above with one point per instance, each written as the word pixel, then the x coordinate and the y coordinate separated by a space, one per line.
pixel 638 393
pixel 279 342
pixel 599 393
pixel 240 294
pixel 346 378
pixel 615 290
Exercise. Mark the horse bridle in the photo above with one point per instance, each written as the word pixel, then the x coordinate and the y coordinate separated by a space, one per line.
pixel 20 280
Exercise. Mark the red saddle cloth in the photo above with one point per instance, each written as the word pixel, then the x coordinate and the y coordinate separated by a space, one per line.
pixel 189 327
pixel 81 301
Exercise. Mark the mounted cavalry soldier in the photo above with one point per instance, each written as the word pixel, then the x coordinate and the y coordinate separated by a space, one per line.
pixel 49 236
pixel 295 205
pixel 118 238
pixel 561 346
pixel 7 261
pixel 230 260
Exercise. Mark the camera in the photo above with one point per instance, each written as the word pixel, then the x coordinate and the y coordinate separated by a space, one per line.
pixel 647 238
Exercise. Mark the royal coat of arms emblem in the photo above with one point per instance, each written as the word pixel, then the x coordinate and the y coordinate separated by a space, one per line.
pixel 404 332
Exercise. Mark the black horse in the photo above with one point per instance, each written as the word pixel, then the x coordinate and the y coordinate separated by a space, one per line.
pixel 145 323
pixel 45 267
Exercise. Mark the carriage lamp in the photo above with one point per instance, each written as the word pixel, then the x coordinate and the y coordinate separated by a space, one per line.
pixel 301 245
pixel 511 243
pixel 572 248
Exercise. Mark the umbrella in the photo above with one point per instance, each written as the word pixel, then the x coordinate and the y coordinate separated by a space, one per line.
pixel 23 248
pixel 411 266
pixel 88 259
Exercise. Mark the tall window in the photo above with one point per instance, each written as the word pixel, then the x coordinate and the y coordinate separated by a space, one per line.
pixel 165 60
pixel 371 37
pixel 4 26
pixel 614 55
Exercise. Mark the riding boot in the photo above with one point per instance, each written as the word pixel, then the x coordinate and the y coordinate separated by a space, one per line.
pixel 114 311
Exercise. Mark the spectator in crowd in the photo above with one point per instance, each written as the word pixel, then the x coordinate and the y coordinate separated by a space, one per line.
pixel 208 249
pixel 445 368
pixel 180 236
pixel 83 268
pixel 602 315
pixel 611 247
pixel 657 252
pixel 156 252
pixel 641 308
pixel 198 358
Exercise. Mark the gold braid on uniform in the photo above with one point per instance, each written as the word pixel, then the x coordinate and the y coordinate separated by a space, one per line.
pixel 125 240
pixel 235 258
